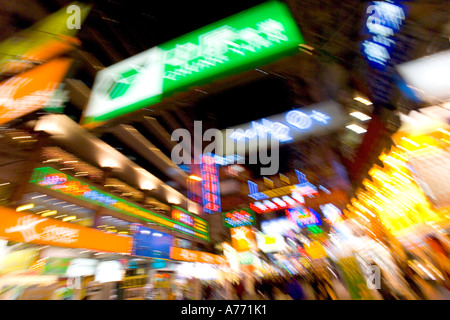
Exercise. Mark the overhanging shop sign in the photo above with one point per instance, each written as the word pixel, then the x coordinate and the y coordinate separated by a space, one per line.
pixel 241 41
pixel 287 127
pixel 60 182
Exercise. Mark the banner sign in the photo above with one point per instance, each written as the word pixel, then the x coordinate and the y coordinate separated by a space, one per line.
pixel 195 256
pixel 22 227
pixel 257 35
pixel 60 182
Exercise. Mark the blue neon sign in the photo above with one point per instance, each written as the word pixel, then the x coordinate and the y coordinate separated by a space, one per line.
pixel 278 130
pixel 384 20
pixel 294 125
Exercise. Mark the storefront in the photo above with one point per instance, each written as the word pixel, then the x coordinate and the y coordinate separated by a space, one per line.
pixel 60 258
pixel 409 195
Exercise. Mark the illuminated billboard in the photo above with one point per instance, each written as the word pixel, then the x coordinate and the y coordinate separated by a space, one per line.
pixel 303 217
pixel 297 124
pixel 238 218
pixel 210 184
pixel 243 238
pixel 32 89
pixel 150 243
pixel 252 37
pixel 189 219
pixel 60 182
pixel 273 243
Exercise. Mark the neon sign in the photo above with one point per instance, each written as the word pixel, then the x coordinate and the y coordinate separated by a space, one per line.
pixel 180 216
pixel 230 159
pixel 291 126
pixel 303 216
pixel 73 187
pixel 331 213
pixel 384 20
pixel 238 218
pixel 31 90
pixel 241 41
pixel 277 203
pixel 189 219
pixel 278 130
pixel 210 184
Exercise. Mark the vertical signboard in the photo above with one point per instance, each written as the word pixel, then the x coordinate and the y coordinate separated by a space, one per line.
pixel 210 184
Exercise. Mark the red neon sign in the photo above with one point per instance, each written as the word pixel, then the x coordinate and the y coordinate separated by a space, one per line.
pixel 276 203
pixel 210 184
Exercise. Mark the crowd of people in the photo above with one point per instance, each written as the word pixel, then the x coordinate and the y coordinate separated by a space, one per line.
pixel 318 286
pixel 294 287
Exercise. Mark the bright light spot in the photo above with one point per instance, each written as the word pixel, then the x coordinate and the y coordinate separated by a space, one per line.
pixel 194 177
pixel 356 128
pixel 49 213
pixel 363 101
pixel 361 116
pixel 25 207
pixel 108 163
pixel 410 141
pixel 69 218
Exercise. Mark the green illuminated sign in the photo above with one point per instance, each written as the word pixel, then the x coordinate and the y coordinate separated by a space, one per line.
pixel 60 182
pixel 253 37
pixel 238 218
pixel 315 229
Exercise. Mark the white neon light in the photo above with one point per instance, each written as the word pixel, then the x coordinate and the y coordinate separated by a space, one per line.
pixel 279 202
pixel 278 130
pixel 356 128
pixel 361 116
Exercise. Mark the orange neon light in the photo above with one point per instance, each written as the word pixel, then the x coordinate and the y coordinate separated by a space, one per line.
pixel 32 89
pixel 182 254
pixel 23 227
